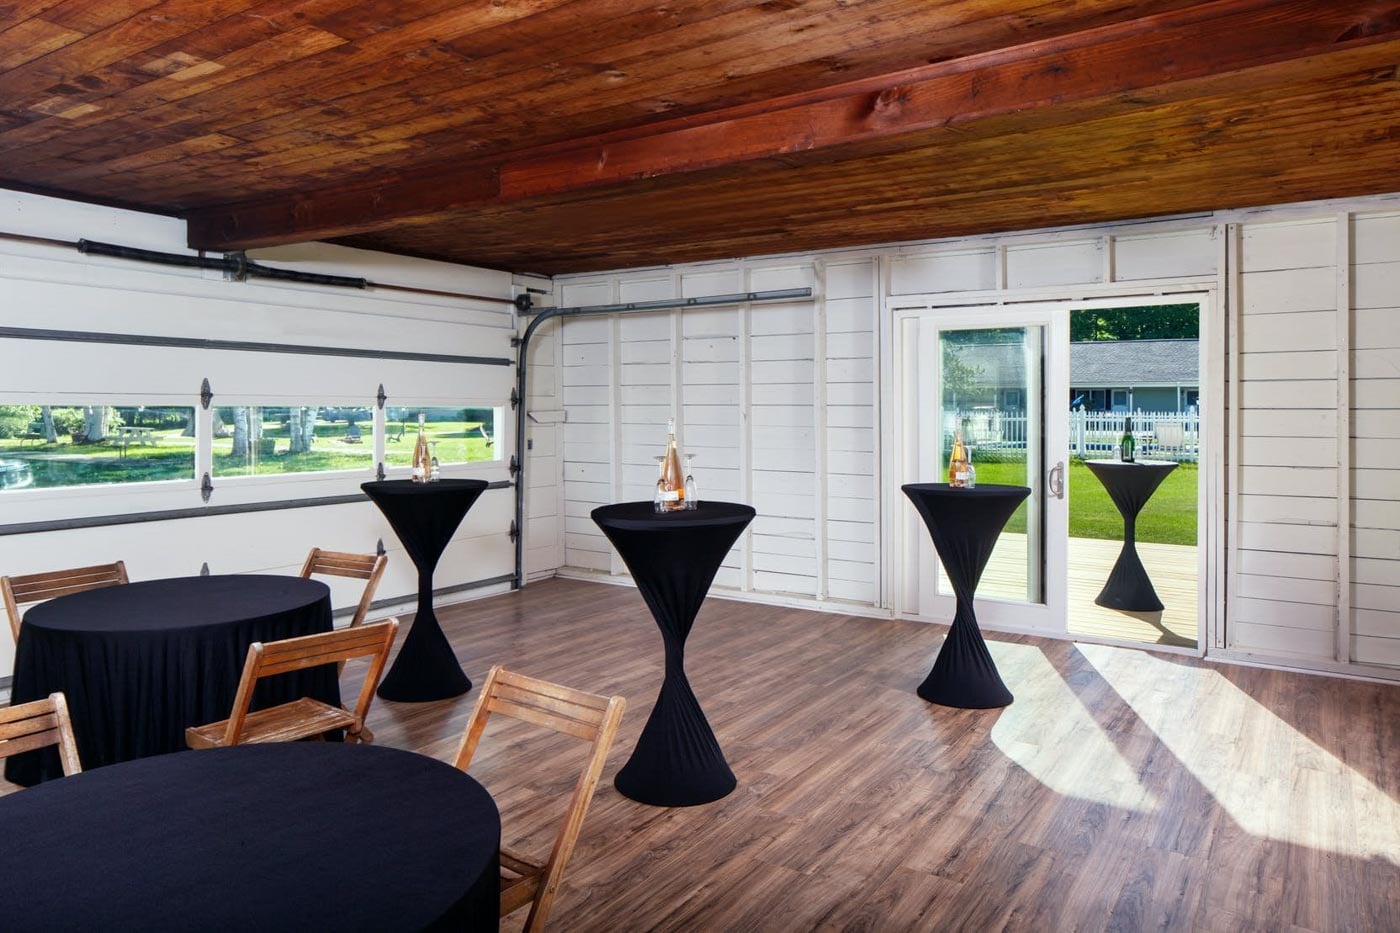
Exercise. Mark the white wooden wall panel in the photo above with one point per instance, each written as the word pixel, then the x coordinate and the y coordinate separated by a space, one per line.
pixel 1288 477
pixel 1301 313
pixel 1375 440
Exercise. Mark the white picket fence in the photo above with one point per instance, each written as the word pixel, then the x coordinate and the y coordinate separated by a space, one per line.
pixel 1164 435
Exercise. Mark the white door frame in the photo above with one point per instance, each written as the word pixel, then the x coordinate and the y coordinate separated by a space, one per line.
pixel 912 465
pixel 1211 498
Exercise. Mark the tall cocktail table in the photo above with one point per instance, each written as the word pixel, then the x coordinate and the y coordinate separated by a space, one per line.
pixel 674 557
pixel 965 525
pixel 1130 485
pixel 425 516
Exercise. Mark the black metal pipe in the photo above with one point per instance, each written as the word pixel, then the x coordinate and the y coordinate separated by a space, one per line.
pixel 549 314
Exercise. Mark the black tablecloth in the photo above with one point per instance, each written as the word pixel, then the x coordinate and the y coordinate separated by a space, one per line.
pixel 674 557
pixel 288 836
pixel 965 525
pixel 139 663
pixel 1130 485
pixel 425 516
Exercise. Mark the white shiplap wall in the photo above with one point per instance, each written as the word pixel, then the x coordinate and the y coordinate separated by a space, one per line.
pixel 776 403
pixel 781 406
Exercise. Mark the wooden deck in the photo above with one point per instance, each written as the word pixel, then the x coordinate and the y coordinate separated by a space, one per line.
pixel 1172 569
pixel 1122 790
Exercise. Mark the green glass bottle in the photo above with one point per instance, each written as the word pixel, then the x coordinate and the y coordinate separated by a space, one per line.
pixel 1127 446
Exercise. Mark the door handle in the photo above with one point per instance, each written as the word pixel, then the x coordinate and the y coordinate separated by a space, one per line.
pixel 1057 480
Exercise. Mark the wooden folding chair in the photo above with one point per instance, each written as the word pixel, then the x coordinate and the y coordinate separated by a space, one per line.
pixel 573 712
pixel 305 718
pixel 37 587
pixel 28 726
pixel 368 567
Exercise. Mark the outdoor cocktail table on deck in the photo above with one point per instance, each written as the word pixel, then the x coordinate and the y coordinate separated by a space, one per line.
pixel 283 836
pixel 139 663
pixel 965 525
pixel 1130 485
pixel 673 557
pixel 425 516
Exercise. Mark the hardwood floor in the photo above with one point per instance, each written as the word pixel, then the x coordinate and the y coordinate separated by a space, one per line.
pixel 1122 790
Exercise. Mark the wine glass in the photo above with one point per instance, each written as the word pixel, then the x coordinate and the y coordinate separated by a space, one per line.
pixel 657 503
pixel 691 500
pixel 435 469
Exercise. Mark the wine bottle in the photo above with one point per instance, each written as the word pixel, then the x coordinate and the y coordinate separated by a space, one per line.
pixel 1127 446
pixel 957 463
pixel 671 486
pixel 422 458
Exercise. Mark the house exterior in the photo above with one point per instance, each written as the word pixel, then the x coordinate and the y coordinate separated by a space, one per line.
pixel 1105 375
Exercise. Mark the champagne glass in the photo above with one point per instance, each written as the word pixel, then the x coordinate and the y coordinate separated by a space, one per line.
pixel 435 469
pixel 657 503
pixel 691 500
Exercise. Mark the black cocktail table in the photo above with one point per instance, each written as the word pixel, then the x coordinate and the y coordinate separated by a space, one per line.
pixel 284 836
pixel 1130 485
pixel 674 557
pixel 965 525
pixel 139 663
pixel 425 516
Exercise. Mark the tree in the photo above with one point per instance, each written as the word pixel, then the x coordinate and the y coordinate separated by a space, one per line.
pixel 97 419
pixel 959 376
pixel 1152 322
pixel 50 432
pixel 301 424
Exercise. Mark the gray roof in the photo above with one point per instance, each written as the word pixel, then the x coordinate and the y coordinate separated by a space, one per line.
pixel 1134 362
pixel 1095 363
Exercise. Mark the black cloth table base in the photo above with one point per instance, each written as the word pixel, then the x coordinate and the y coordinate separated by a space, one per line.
pixel 425 516
pixel 140 663
pixel 1130 485
pixel 673 557
pixel 965 525
pixel 283 836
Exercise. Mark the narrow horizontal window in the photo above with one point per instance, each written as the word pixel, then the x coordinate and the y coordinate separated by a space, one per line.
pixel 455 435
pixel 269 440
pixel 53 446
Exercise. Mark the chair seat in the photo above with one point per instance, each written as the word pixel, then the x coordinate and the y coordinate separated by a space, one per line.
pixel 520 879
pixel 300 719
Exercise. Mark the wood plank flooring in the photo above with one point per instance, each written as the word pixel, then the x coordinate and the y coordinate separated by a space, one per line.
pixel 1122 790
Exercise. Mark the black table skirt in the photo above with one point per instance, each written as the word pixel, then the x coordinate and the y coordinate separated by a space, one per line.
pixel 673 557
pixel 965 525
pixel 1130 485
pixel 425 516
pixel 139 663
pixel 288 836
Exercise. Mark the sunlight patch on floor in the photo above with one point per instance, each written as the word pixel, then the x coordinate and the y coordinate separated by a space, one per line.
pixel 1256 765
pixel 1050 734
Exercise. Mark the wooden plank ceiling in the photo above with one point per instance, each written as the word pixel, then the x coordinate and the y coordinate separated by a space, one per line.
pixel 569 135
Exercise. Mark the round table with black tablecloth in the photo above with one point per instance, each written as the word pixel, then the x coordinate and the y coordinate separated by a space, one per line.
pixel 673 557
pixel 1130 485
pixel 425 516
pixel 965 525
pixel 284 836
pixel 141 662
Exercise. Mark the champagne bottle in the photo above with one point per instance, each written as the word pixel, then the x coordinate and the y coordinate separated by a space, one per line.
pixel 422 458
pixel 671 486
pixel 1127 446
pixel 957 463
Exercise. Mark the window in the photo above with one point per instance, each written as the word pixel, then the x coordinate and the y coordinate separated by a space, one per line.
pixel 455 435
pixel 260 441
pixel 49 446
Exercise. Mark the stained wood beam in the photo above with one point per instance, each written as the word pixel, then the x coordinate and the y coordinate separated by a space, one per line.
pixel 1197 50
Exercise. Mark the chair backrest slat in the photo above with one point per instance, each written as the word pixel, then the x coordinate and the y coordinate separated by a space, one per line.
pixel 29 588
pixel 367 567
pixel 544 718
pixel 39 724
pixel 294 654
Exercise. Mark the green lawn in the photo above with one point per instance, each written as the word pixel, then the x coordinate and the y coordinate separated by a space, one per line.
pixel 1169 518
pixel 168 455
